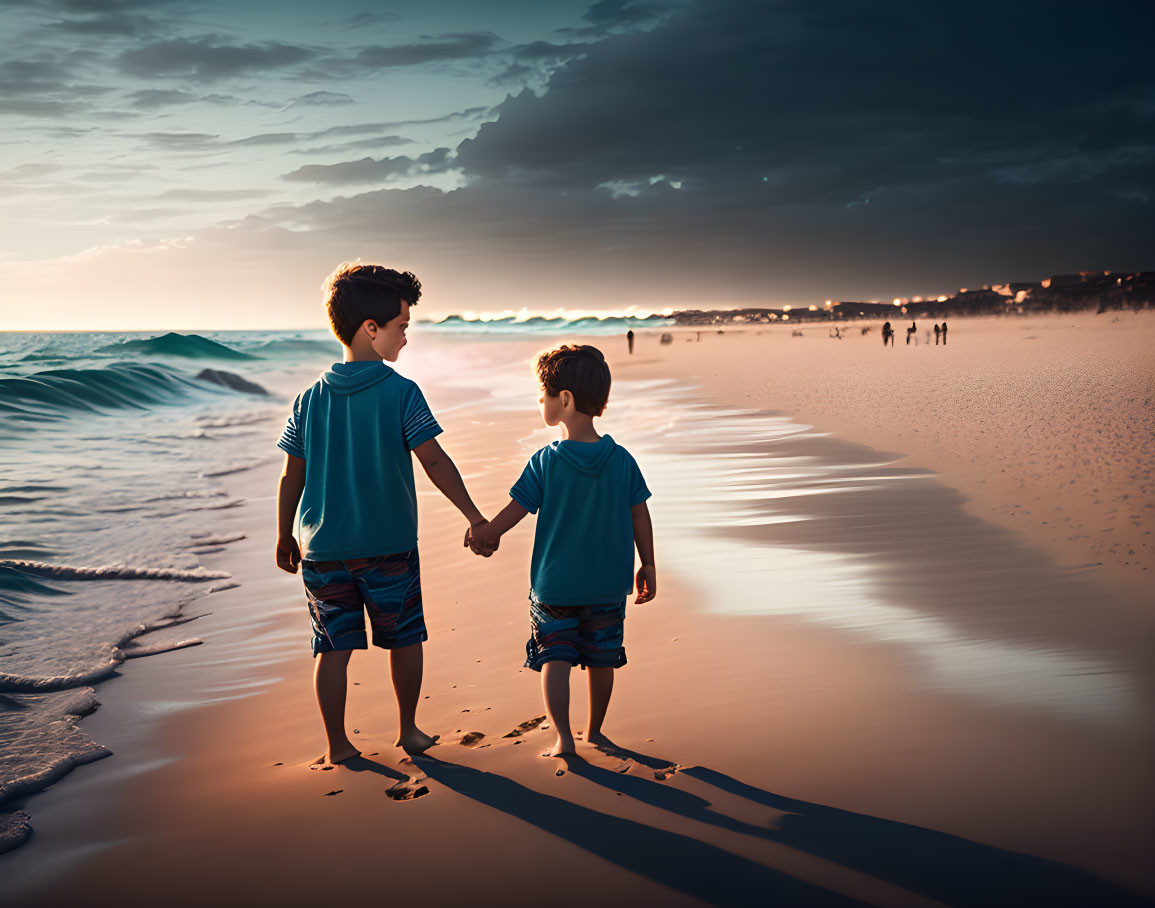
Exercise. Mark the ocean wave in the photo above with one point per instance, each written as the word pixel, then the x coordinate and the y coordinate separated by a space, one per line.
pixel 41 744
pixel 46 397
pixel 231 380
pixel 56 394
pixel 540 324
pixel 298 345
pixel 189 346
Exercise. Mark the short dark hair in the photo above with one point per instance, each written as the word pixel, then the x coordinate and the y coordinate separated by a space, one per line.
pixel 579 369
pixel 355 292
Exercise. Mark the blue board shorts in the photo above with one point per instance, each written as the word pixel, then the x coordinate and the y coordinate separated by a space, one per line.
pixel 585 635
pixel 340 593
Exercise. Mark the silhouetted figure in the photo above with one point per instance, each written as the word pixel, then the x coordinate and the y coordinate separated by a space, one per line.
pixel 909 331
pixel 937 331
pixel 630 340
pixel 887 334
pixel 944 333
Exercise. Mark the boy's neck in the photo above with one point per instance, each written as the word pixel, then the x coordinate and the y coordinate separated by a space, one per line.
pixel 361 352
pixel 579 427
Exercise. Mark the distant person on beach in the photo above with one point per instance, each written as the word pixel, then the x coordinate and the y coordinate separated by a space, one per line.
pixel 590 501
pixel 944 332
pixel 887 334
pixel 937 331
pixel 909 331
pixel 630 340
pixel 348 446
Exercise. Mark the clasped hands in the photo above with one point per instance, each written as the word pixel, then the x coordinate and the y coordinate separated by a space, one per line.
pixel 480 546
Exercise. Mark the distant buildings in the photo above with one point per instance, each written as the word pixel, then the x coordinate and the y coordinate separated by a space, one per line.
pixel 1098 290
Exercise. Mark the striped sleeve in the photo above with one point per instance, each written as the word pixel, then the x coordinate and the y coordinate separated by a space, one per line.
pixel 417 423
pixel 291 441
pixel 529 490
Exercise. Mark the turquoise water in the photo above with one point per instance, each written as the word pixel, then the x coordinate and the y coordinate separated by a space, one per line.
pixel 109 445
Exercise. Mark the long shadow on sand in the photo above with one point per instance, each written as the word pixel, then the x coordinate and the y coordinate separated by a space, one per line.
pixel 944 867
pixel 682 863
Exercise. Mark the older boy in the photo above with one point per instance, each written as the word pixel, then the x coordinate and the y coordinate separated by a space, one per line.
pixel 590 499
pixel 347 447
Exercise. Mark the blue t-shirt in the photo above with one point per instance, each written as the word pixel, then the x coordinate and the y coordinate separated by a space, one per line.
pixel 582 493
pixel 354 429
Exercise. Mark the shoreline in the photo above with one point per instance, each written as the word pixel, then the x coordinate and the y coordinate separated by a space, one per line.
pixel 814 712
pixel 986 457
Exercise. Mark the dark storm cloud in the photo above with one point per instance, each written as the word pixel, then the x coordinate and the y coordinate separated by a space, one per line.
pixel 537 61
pixel 795 101
pixel 609 16
pixel 368 170
pixel 611 13
pixel 776 146
pixel 209 58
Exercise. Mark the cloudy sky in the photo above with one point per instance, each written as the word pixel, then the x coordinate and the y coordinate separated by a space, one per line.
pixel 167 163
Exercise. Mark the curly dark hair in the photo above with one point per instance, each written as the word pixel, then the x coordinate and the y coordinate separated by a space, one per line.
pixel 355 292
pixel 579 369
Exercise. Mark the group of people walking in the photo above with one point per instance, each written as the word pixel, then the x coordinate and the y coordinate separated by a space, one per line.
pixel 888 333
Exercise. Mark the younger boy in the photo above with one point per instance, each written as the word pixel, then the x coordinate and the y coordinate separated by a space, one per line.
pixel 347 447
pixel 590 499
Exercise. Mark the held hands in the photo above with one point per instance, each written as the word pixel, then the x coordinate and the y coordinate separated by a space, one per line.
pixel 647 583
pixel 479 543
pixel 288 554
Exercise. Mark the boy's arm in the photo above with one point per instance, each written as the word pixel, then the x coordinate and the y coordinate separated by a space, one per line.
pixel 488 535
pixel 647 579
pixel 289 490
pixel 443 473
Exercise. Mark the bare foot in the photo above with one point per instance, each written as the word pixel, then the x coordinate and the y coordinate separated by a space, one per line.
pixel 331 759
pixel 600 741
pixel 415 741
pixel 562 747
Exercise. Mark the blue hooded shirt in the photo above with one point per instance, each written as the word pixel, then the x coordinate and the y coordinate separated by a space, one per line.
pixel 583 494
pixel 355 429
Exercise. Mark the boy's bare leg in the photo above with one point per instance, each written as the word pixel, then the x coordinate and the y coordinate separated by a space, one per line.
pixel 555 690
pixel 406 665
pixel 601 687
pixel 330 681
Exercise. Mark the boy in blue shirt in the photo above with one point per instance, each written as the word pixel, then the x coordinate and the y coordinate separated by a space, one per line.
pixel 348 466
pixel 590 499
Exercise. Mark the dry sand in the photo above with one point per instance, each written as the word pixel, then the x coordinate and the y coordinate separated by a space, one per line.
pixel 823 755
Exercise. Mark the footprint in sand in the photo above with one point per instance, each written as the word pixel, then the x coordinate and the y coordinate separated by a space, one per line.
pixel 527 725
pixel 471 739
pixel 329 794
pixel 408 790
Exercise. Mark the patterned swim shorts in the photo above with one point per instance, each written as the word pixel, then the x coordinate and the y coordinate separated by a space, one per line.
pixel 585 635
pixel 388 587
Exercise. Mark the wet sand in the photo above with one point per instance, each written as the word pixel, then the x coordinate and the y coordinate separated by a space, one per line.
pixel 853 687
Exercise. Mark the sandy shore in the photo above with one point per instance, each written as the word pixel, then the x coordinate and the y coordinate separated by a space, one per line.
pixel 1046 422
pixel 872 687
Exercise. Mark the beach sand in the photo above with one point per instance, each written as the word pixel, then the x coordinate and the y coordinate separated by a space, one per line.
pixel 863 680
